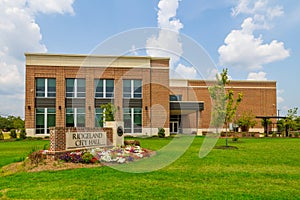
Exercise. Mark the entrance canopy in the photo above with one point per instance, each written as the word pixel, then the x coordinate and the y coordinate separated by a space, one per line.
pixel 185 107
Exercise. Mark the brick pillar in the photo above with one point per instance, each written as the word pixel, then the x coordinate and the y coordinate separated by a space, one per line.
pixel 89 102
pixel 57 139
pixel 60 98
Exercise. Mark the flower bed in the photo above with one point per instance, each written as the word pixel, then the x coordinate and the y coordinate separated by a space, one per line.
pixel 106 155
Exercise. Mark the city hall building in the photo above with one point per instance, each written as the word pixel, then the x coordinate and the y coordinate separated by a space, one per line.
pixel 68 91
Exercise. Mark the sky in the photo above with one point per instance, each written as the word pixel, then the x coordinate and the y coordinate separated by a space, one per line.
pixel 254 39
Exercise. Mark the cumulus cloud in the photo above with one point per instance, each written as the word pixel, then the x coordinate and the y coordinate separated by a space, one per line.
pixel 51 6
pixel 242 48
pixel 280 99
pixel 166 43
pixel 185 72
pixel 20 33
pixel 257 76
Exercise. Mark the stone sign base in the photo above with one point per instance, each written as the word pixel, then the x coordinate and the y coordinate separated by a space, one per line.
pixel 64 138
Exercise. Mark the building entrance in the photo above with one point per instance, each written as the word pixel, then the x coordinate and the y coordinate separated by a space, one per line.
pixel 174 127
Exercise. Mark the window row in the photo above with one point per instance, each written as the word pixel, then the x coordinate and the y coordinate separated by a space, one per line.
pixel 75 117
pixel 76 88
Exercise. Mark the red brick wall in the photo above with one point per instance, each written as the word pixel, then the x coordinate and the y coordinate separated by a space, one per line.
pixel 159 92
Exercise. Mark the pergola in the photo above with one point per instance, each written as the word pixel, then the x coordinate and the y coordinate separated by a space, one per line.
pixel 265 118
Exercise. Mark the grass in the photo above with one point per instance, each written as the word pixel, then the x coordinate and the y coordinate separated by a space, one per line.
pixel 266 168
pixel 13 151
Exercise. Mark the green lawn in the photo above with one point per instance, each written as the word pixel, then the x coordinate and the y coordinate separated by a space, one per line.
pixel 266 168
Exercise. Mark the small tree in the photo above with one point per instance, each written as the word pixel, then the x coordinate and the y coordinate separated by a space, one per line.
pixel 224 105
pixel 161 132
pixel 1 135
pixel 23 133
pixel 291 119
pixel 246 121
pixel 109 111
pixel 13 133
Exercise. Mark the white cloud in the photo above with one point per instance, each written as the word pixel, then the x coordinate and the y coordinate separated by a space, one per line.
pixel 258 8
pixel 20 33
pixel 185 72
pixel 51 6
pixel 166 43
pixel 257 76
pixel 166 15
pixel 280 99
pixel 242 48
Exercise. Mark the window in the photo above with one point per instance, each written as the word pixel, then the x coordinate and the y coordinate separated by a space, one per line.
pixel 132 88
pixel 45 87
pixel 132 120
pixel 75 87
pixel 175 97
pixel 99 117
pixel 44 119
pixel 104 88
pixel 75 117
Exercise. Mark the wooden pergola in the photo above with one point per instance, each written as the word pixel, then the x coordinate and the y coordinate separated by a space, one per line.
pixel 265 118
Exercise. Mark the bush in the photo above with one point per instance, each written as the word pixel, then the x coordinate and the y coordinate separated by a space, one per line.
pixel 161 132
pixel 88 158
pixel 13 133
pixel 23 134
pixel 35 158
pixel 1 135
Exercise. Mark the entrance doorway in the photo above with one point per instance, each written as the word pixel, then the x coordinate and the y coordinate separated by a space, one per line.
pixel 174 127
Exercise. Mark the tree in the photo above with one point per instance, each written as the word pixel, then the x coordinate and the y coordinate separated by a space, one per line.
pixel 10 122
pixel 246 121
pixel 109 111
pixel 291 117
pixel 224 105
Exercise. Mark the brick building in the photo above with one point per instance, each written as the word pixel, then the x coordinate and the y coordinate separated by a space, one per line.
pixel 67 91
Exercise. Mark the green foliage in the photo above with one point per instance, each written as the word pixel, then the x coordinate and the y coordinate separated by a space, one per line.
pixel 292 119
pixel 246 121
pixel 109 111
pixel 13 133
pixel 87 157
pixel 281 125
pixel 11 122
pixel 161 132
pixel 269 168
pixel 1 135
pixel 224 105
pixel 22 133
pixel 218 96
pixel 232 105
pixel 268 121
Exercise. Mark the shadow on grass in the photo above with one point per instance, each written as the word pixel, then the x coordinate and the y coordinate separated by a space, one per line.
pixel 226 147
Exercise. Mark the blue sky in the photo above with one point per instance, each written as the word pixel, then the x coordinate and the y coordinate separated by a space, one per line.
pixel 254 39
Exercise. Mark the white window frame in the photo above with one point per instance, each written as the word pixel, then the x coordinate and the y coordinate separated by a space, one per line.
pixel 104 88
pixel 132 89
pixel 46 88
pixel 45 120
pixel 76 87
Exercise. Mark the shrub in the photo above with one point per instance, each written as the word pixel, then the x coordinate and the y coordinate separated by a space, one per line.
pixel 23 134
pixel 13 133
pixel 161 132
pixel 88 158
pixel 1 135
pixel 296 134
pixel 35 157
